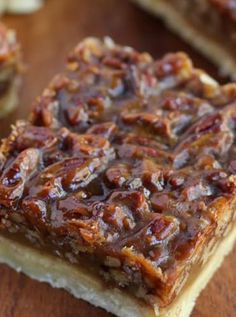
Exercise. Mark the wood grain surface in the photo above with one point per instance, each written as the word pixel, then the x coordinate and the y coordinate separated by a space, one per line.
pixel 46 37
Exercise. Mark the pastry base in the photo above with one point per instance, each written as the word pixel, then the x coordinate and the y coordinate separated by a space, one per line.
pixel 61 274
pixel 211 48
pixel 10 99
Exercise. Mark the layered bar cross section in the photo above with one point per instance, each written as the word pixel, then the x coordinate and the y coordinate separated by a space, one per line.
pixel 124 175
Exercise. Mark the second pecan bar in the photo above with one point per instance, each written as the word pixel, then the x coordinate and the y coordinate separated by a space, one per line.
pixel 121 186
pixel 208 25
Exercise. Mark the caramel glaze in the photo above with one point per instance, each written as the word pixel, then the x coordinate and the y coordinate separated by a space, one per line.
pixel 126 162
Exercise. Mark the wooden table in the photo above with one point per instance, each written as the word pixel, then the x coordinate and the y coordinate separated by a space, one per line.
pixel 46 37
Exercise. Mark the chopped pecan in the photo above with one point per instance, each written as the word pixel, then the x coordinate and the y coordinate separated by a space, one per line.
pixel 64 176
pixel 37 137
pixel 13 179
pixel 88 145
pixel 106 130
pixel 118 174
pixel 174 64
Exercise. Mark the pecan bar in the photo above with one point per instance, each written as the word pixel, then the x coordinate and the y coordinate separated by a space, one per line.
pixel 208 25
pixel 121 185
pixel 9 70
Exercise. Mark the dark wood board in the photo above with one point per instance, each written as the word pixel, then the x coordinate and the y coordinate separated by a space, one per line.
pixel 46 37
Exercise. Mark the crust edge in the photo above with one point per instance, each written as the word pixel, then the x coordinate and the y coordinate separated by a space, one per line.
pixel 207 46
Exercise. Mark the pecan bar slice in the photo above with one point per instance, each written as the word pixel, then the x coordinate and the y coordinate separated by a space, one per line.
pixel 121 186
pixel 208 25
pixel 9 70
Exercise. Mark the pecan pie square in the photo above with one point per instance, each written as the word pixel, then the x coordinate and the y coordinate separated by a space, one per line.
pixel 122 182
